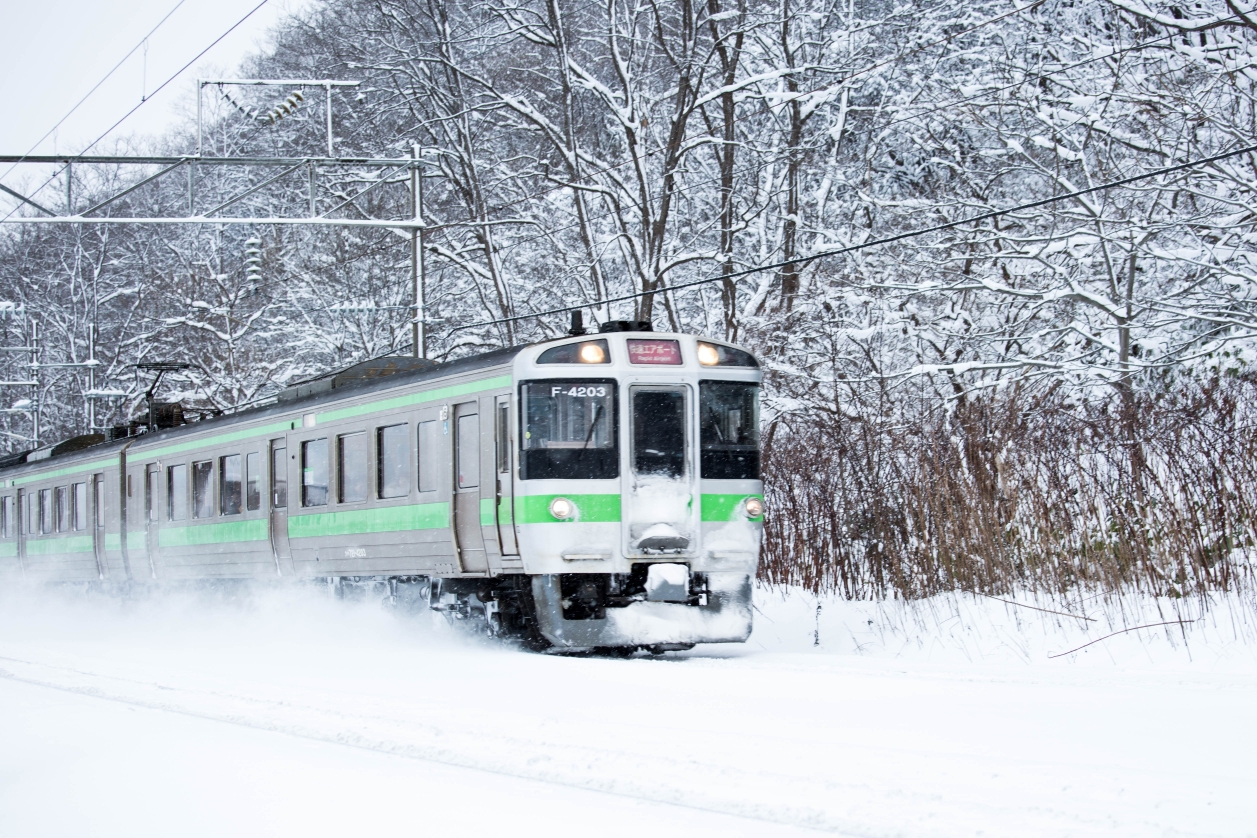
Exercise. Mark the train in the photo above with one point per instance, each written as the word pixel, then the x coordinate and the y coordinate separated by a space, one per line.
pixel 596 491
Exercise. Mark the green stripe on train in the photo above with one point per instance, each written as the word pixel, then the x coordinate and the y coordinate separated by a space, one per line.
pixel 52 546
pixel 113 541
pixel 48 475
pixel 257 529
pixel 721 508
pixel 590 509
pixel 420 516
pixel 439 394
pixel 487 518
pixel 8 549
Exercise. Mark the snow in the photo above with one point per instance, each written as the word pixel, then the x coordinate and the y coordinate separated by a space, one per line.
pixel 667 582
pixel 284 711
pixel 660 506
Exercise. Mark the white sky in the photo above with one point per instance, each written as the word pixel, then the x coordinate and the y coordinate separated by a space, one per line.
pixel 55 51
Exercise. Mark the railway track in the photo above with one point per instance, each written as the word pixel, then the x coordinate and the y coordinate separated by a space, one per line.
pixel 817 772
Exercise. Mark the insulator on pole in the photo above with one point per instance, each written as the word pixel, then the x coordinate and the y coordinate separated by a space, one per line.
pixel 253 263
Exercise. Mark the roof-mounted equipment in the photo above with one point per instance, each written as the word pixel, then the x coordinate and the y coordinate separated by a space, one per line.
pixel 626 326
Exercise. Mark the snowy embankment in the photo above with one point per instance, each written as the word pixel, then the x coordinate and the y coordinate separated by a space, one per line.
pixel 285 711
pixel 1129 632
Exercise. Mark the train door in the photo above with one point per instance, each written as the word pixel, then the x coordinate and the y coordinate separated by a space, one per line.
pixel 152 505
pixel 466 506
pixel 660 514
pixel 23 528
pixel 279 508
pixel 96 520
pixel 504 496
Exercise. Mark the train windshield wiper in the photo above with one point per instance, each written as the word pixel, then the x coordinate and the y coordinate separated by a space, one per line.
pixel 592 425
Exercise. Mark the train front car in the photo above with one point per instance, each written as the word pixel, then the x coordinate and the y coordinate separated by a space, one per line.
pixel 638 501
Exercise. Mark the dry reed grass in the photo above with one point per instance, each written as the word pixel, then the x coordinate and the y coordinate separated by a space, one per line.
pixel 1017 491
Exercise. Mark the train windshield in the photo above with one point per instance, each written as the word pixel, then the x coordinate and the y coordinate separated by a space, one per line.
pixel 659 422
pixel 729 430
pixel 569 430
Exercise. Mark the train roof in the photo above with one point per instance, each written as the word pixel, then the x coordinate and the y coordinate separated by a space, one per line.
pixel 366 377
pixel 376 374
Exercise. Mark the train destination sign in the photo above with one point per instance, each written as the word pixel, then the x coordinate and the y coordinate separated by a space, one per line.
pixel 654 352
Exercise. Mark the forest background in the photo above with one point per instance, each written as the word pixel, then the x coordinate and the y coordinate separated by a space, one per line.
pixel 1058 400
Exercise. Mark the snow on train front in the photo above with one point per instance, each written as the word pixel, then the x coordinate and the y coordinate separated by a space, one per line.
pixel 638 500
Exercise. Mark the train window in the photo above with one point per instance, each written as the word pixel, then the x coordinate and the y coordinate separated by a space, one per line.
pixel 279 477
pixel 98 492
pixel 728 423
pixel 230 485
pixel 78 499
pixel 659 431
pixel 314 472
pixel 351 467
pixel 45 511
pixel 6 516
pixel 203 489
pixel 503 438
pixel 252 481
pixel 469 451
pixel 32 513
pixel 177 492
pixel 62 496
pixel 392 446
pixel 429 434
pixel 569 430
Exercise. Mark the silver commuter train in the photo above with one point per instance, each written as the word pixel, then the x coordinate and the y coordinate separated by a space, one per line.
pixel 595 491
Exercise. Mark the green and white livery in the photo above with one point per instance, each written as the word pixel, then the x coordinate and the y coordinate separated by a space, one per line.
pixel 596 491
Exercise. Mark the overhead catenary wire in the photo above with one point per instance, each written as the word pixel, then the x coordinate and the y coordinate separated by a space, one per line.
pixel 798 260
pixel 583 177
pixel 1027 78
pixel 689 187
pixel 157 90
pixel 96 86
pixel 844 80
pixel 803 260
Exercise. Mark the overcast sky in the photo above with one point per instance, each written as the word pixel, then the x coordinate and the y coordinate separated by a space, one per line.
pixel 55 51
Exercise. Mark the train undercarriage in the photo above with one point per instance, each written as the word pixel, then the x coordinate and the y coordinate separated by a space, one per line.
pixel 658 607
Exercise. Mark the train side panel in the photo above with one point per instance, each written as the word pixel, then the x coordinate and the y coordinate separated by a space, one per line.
pixel 54 521
pixel 350 514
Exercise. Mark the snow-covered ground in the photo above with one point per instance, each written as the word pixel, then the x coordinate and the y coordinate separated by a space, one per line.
pixel 285 712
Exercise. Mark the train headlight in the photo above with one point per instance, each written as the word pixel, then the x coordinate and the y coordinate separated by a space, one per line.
pixel 562 508
pixel 708 355
pixel 592 353
pixel 754 507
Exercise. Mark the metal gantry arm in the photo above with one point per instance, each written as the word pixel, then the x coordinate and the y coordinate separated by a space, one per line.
pixel 25 199
pixel 170 164
pixel 411 228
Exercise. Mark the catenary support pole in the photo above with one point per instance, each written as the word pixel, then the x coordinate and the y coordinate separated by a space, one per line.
pixel 418 330
pixel 35 378
pixel 328 88
pixel 199 85
pixel 91 378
